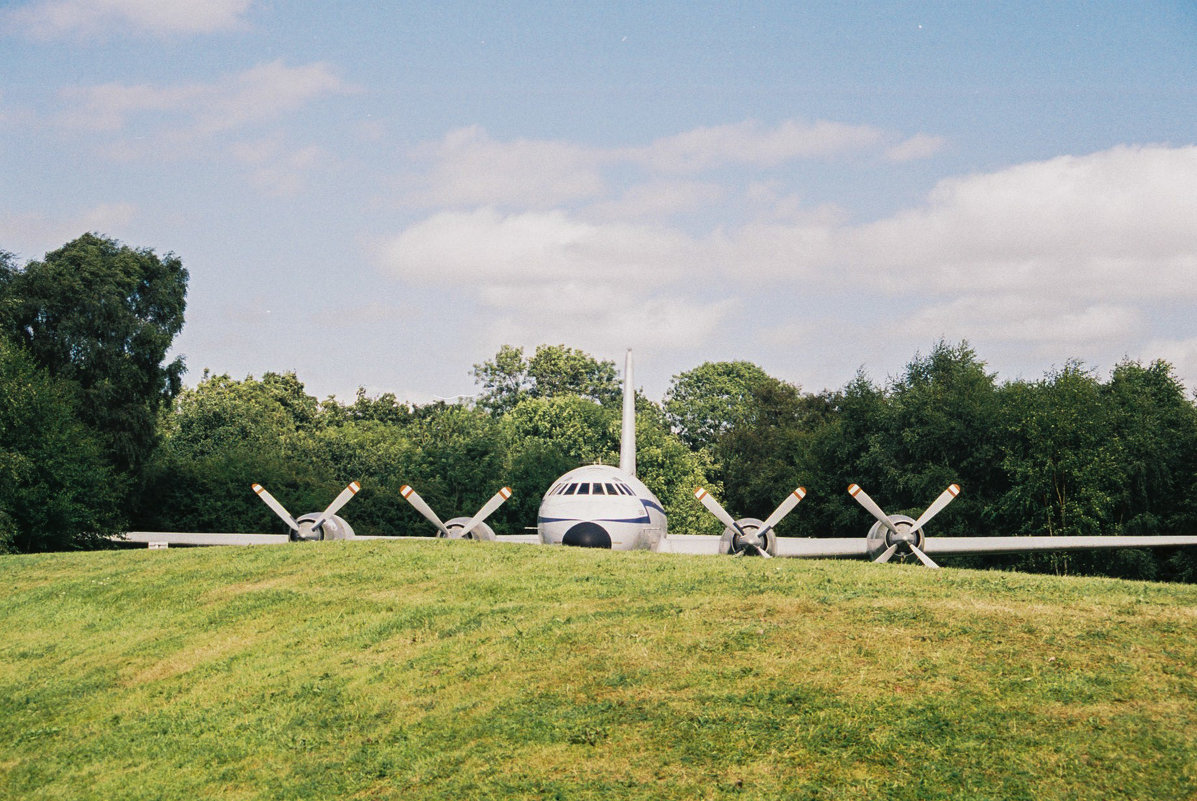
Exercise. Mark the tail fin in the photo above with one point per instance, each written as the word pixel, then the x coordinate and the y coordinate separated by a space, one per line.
pixel 627 440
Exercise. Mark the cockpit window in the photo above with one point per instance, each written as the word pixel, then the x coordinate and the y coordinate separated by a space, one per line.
pixel 583 489
pixel 611 489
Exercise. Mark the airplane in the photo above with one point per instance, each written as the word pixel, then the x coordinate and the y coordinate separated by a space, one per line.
pixel 603 506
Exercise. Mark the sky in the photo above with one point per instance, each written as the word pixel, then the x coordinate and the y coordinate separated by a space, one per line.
pixel 381 195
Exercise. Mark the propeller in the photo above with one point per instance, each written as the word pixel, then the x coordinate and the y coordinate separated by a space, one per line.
pixel 901 530
pixel 473 528
pixel 413 497
pixel 313 526
pixel 337 503
pixel 749 535
pixel 276 507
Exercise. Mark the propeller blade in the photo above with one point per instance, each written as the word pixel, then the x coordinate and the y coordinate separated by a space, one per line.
pixel 864 500
pixel 922 556
pixel 485 512
pixel 276 507
pixel 337 503
pixel 714 508
pixel 945 497
pixel 415 500
pixel 784 509
pixel 888 553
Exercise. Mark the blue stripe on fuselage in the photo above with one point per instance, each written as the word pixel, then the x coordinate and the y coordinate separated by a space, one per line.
pixel 644 520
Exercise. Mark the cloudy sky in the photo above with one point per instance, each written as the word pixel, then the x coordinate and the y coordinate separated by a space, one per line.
pixel 380 197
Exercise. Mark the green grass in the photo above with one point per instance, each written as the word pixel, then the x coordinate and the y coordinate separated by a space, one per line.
pixel 460 670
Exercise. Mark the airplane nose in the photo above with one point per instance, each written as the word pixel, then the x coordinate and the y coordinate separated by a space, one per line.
pixel 587 535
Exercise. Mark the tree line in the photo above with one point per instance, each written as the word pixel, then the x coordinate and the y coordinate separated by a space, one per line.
pixel 98 435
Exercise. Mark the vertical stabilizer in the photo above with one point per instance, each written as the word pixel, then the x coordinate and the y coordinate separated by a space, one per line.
pixel 627 439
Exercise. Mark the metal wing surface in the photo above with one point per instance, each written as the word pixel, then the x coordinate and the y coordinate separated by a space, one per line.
pixel 965 545
pixel 197 538
pixel 820 547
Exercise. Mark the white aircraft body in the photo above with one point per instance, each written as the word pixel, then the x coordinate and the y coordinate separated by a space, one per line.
pixel 600 506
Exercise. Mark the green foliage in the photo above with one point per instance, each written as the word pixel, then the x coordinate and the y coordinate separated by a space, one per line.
pixel 221 437
pixel 102 316
pixel 1060 454
pixel 56 492
pixel 672 471
pixel 553 371
pixel 713 398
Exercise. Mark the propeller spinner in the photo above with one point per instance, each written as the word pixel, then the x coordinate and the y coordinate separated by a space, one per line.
pixel 471 528
pixel 748 535
pixel 323 526
pixel 894 533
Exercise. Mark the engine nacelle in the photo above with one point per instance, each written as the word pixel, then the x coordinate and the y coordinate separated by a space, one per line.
pixel 881 538
pixel 333 528
pixel 733 543
pixel 457 525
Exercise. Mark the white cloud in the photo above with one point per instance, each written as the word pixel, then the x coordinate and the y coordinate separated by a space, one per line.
pixel 52 18
pixel 260 94
pixel 542 276
pixel 919 146
pixel 468 169
pixel 1058 258
pixel 487 247
pixel 658 199
pixel 1049 323
pixel 752 143
pixel 471 169
pixel 1112 224
pixel 276 169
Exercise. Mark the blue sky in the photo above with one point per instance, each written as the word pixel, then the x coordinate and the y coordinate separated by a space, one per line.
pixel 380 196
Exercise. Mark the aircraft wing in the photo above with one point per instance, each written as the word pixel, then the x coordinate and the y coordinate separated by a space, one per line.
pixel 786 546
pixel 197 538
pixel 820 547
pixel 690 543
pixel 963 545
pixel 530 539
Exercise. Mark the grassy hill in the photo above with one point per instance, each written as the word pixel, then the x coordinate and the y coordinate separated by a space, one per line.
pixel 464 670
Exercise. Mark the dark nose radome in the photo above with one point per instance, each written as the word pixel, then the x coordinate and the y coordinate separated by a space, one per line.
pixel 587 535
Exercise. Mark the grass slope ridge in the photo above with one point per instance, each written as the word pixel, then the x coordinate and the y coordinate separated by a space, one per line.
pixel 454 669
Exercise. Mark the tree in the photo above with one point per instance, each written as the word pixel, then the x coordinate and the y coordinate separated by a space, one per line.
pixel 553 371
pixel 56 492
pixel 221 437
pixel 713 398
pixel 102 316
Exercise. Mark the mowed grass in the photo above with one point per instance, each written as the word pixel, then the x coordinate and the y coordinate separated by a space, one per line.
pixel 465 670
